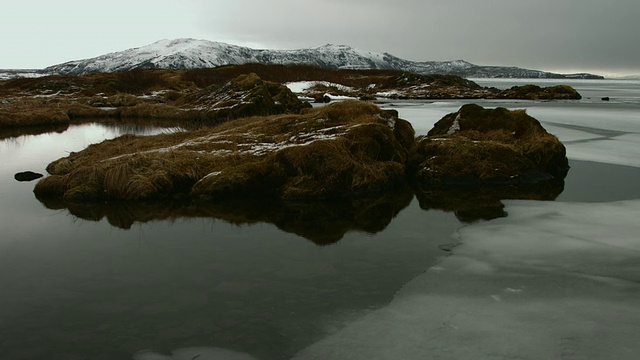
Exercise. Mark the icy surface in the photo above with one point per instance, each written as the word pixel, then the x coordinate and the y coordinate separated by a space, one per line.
pixel 551 281
pixel 200 353
pixel 595 133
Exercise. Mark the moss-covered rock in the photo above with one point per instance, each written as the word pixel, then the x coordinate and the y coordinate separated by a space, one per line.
pixel 487 146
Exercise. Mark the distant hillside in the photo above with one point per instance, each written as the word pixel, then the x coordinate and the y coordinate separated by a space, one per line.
pixel 196 54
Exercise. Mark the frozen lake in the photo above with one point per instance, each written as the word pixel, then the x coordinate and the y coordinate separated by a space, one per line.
pixel 552 280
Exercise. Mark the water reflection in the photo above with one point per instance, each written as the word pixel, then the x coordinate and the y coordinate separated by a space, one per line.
pixel 323 222
pixel 470 204
pixel 10 133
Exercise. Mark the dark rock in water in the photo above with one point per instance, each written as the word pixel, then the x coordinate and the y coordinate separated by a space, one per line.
pixel 534 92
pixel 606 98
pixel 27 176
pixel 478 146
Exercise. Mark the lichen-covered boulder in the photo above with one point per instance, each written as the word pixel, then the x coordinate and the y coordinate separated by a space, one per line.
pixel 487 146
pixel 345 149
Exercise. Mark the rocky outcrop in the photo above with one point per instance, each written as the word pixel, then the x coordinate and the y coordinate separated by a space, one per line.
pixel 372 86
pixel 534 92
pixel 140 95
pixel 468 163
pixel 246 95
pixel 343 150
pixel 476 146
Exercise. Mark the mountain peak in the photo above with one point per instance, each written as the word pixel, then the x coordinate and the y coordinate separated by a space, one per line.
pixel 188 53
pixel 334 47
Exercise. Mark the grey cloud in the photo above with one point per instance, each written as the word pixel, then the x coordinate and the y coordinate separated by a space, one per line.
pixel 556 34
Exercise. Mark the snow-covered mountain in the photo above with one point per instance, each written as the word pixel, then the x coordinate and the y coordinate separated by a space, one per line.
pixel 192 54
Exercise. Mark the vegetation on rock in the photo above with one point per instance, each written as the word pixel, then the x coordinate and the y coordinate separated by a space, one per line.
pixel 139 94
pixel 534 92
pixel 345 149
pixel 467 163
pixel 487 146
pixel 213 95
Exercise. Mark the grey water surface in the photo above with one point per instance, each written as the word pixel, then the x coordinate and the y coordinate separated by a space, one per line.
pixel 151 282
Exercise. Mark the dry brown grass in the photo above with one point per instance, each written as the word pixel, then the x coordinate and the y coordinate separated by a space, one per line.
pixel 339 150
pixel 139 95
pixel 490 146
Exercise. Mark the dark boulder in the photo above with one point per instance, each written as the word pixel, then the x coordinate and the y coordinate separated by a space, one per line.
pixel 27 176
pixel 534 92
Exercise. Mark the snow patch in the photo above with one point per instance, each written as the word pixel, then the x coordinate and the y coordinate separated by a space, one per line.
pixel 455 127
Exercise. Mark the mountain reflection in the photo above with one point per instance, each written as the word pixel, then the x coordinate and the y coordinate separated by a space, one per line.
pixel 323 222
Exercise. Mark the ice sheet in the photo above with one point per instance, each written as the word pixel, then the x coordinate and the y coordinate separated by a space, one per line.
pixel 566 135
pixel 200 353
pixel 621 150
pixel 551 281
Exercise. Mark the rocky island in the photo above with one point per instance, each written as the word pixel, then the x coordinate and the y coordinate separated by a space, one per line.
pixel 343 150
pixel 252 137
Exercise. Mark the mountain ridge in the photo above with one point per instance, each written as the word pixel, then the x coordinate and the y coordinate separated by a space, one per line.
pixel 186 53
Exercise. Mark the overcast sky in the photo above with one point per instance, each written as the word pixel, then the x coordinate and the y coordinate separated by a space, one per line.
pixel 554 35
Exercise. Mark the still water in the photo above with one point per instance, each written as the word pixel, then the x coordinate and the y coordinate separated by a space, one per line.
pixel 245 281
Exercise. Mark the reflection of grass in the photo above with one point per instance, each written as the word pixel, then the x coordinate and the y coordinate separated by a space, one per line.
pixel 323 222
pixel 7 133
pixel 472 203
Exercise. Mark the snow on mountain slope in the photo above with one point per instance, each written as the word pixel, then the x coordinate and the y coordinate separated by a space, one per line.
pixel 193 54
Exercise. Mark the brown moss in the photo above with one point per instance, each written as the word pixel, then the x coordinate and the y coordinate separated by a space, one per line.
pixel 52 186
